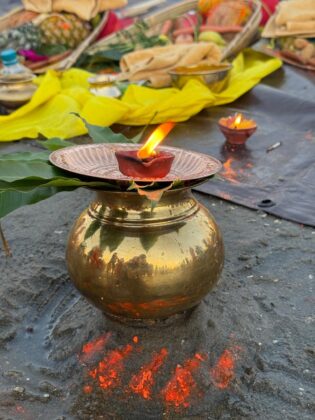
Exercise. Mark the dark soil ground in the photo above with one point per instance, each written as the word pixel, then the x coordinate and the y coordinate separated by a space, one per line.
pixel 262 312
pixel 260 318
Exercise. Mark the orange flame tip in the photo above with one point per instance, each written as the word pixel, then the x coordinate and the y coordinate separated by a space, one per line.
pixel 238 119
pixel 158 135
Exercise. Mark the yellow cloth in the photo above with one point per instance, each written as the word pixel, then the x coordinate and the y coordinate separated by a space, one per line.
pixel 49 111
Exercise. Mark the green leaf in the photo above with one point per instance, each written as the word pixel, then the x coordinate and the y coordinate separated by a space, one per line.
pixel 110 54
pixel 13 170
pixel 103 134
pixel 12 200
pixel 55 144
pixel 27 184
pixel 50 50
pixel 25 156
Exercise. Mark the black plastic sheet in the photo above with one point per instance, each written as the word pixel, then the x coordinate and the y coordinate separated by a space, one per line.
pixel 281 182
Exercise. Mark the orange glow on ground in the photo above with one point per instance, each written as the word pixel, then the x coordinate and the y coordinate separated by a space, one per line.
pixel 154 140
pixel 182 385
pixel 87 389
pixel 135 339
pixel 92 348
pixel 229 172
pixel 109 369
pixel 20 409
pixel 224 370
pixel 142 382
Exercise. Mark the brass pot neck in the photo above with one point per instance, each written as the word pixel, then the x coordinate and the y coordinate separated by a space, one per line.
pixel 129 209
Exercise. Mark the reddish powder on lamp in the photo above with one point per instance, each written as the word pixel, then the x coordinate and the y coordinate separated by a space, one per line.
pixel 108 370
pixel 143 382
pixel 224 370
pixel 182 385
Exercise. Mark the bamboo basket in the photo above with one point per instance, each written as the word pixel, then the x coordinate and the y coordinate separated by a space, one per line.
pixel 239 42
pixel 63 63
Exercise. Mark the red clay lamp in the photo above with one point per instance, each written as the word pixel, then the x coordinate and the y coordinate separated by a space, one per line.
pixel 237 129
pixel 147 162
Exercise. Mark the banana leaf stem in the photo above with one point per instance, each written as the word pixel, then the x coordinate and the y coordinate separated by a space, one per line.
pixel 5 244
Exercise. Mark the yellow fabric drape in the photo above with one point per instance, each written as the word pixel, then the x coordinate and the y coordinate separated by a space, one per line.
pixel 49 113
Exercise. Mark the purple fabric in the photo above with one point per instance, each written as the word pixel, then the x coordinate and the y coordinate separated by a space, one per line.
pixel 31 55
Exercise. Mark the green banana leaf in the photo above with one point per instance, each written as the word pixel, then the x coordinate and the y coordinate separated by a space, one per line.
pixel 12 200
pixel 55 144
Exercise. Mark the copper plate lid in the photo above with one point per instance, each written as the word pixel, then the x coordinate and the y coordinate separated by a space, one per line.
pixel 99 161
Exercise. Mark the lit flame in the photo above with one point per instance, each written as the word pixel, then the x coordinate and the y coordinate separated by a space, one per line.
pixel 238 119
pixel 154 140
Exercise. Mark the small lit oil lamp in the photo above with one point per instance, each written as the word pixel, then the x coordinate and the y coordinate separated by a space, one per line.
pixel 237 129
pixel 147 162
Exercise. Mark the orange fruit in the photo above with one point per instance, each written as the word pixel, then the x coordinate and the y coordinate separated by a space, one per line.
pixel 205 5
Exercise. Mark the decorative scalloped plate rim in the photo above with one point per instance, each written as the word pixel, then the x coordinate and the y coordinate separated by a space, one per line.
pixel 94 156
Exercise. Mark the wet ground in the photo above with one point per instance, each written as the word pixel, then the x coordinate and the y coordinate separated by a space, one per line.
pixel 247 352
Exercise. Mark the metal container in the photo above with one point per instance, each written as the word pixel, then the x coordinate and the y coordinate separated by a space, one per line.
pixel 17 91
pixel 211 76
pixel 135 263
pixel 104 85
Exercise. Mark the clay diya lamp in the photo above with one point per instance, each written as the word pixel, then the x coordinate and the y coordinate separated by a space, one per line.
pixel 237 129
pixel 147 162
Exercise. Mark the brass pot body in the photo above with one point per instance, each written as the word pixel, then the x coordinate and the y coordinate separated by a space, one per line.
pixel 137 263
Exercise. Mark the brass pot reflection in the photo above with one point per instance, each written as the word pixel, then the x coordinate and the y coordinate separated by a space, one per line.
pixel 136 263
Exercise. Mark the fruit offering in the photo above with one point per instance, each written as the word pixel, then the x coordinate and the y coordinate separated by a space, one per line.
pixel 64 29
pixel 204 6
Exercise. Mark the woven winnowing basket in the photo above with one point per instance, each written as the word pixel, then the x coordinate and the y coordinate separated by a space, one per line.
pixel 239 42
pixel 70 60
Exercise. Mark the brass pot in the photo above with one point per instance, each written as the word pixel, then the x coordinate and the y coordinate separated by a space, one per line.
pixel 135 263
pixel 17 91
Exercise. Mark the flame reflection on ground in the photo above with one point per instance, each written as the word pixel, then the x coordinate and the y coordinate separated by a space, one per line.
pixel 108 370
pixel 183 387
pixel 94 347
pixel 229 172
pixel 142 382
pixel 223 371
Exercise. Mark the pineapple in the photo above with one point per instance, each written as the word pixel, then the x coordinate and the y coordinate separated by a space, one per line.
pixel 64 29
pixel 26 37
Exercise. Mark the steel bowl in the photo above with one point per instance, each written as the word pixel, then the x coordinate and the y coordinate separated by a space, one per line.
pixel 211 76
pixel 104 85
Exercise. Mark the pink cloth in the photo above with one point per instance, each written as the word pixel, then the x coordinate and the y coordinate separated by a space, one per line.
pixel 114 24
pixel 31 55
pixel 270 7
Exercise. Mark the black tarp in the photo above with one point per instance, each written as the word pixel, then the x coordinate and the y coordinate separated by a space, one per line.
pixel 284 109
